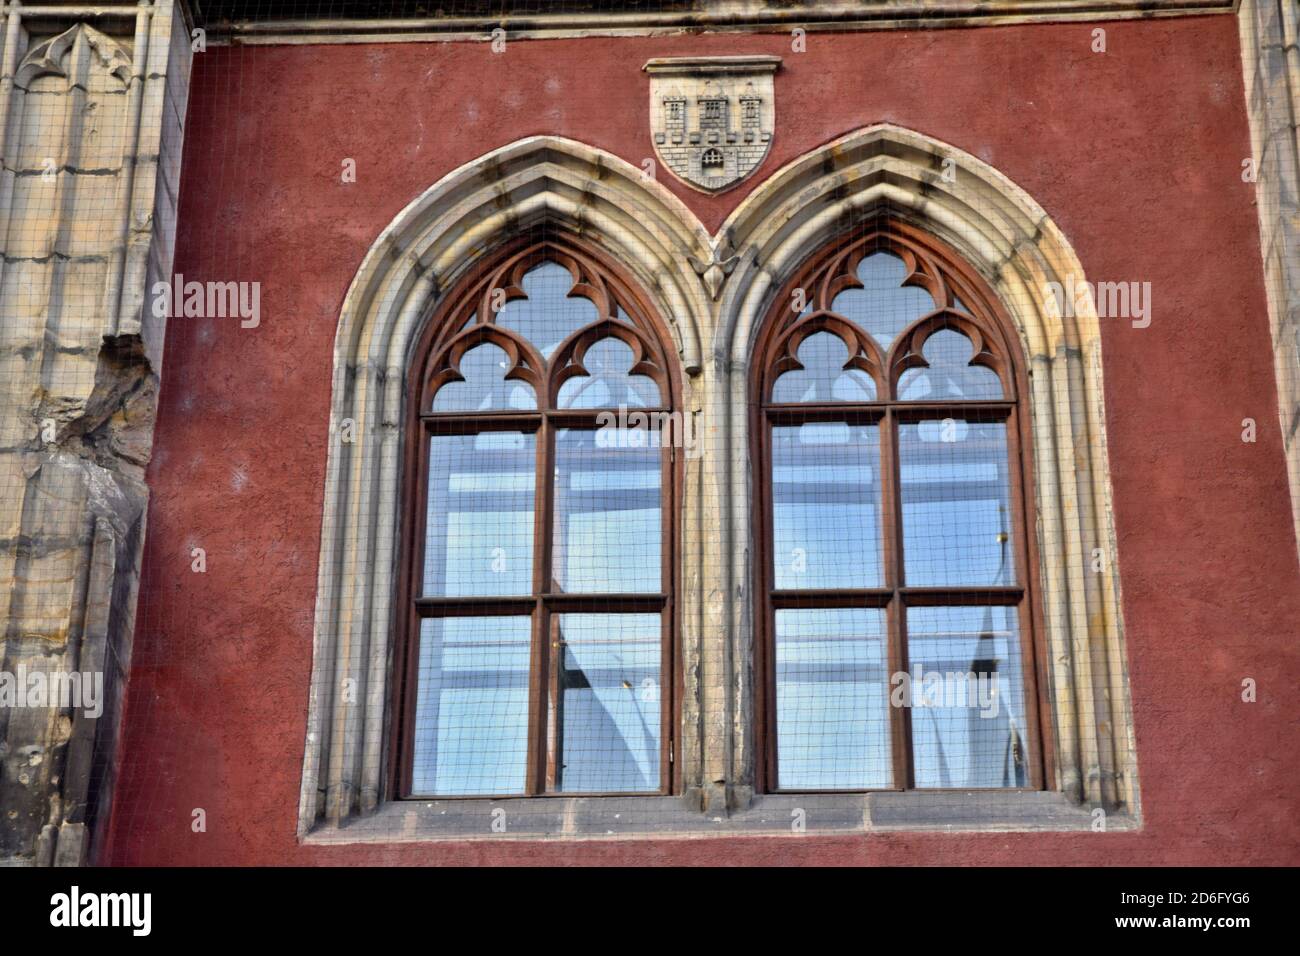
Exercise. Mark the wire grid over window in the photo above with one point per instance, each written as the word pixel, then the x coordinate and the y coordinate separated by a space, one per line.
pixel 540 650
pixel 472 705
pixel 896 630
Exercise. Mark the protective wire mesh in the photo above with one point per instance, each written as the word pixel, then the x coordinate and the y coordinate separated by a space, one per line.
pixel 821 580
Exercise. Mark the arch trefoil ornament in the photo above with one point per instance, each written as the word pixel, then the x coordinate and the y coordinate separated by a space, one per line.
pixel 712 293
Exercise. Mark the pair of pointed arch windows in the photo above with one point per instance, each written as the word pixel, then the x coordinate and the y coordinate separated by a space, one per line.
pixel 542 549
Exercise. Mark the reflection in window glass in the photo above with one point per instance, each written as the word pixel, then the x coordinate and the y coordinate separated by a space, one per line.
pixel 884 306
pixel 609 385
pixel 823 377
pixel 549 314
pixel 832 700
pixel 950 375
pixel 955 497
pixel 610 693
pixel 479 525
pixel 608 526
pixel 826 506
pixel 969 722
pixel 471 714
pixel 485 388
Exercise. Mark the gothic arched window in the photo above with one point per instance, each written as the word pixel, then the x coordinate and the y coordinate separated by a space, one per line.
pixel 539 651
pixel 896 632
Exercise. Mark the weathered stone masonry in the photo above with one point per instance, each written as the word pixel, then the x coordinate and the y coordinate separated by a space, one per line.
pixel 92 112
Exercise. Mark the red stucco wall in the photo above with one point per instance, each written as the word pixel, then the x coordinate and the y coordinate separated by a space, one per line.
pixel 1136 154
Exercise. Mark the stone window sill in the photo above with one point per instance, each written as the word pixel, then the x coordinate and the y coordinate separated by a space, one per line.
pixel 624 818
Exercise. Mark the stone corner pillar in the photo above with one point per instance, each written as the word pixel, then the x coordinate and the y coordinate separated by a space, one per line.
pixel 1270 55
pixel 92 113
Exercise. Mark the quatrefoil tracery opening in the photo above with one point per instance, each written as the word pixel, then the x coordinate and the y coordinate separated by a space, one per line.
pixel 902 329
pixel 551 326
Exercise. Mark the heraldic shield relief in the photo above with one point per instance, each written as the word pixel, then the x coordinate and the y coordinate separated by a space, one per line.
pixel 712 117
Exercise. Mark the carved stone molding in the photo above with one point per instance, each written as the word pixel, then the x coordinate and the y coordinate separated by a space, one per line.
pixel 247 23
pixel 69 55
pixel 712 118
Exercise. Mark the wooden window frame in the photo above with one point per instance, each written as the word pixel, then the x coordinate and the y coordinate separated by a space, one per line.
pixel 936 268
pixel 436 354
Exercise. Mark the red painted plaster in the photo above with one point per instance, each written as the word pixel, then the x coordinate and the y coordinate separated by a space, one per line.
pixel 1135 153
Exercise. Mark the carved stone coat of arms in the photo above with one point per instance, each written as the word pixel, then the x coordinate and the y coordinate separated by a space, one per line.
pixel 712 118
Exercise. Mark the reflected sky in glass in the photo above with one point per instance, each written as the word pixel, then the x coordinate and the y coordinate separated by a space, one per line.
pixel 610 699
pixel 479 526
pixel 548 315
pixel 955 497
pixel 471 712
pixel 950 376
pixel 962 737
pixel 883 308
pixel 832 697
pixel 823 377
pixel 826 506
pixel 608 525
pixel 485 388
pixel 609 385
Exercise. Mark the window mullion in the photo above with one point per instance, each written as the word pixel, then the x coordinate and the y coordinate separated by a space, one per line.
pixel 538 692
pixel 892 534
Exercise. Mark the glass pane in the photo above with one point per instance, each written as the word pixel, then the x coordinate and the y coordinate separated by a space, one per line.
pixel 471 712
pixel 826 506
pixel 479 526
pixel 950 376
pixel 969 723
pixel 548 315
pixel 608 522
pixel 884 307
pixel 956 511
pixel 485 388
pixel 832 700
pixel 609 385
pixel 823 377
pixel 610 695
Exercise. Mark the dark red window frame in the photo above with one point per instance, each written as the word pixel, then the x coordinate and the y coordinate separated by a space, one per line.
pixel 439 349
pixel 934 266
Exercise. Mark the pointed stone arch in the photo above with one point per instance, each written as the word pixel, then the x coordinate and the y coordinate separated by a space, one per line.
pixel 438 238
pixel 1011 241
pixel 81 55
pixel 713 293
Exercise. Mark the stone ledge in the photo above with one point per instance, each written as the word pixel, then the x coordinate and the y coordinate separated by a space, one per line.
pixel 244 24
pixel 658 818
